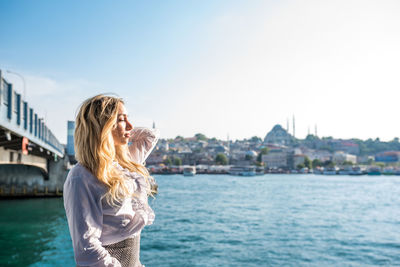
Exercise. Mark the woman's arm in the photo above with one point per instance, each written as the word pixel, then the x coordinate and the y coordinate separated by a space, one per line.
pixel 85 220
pixel 141 143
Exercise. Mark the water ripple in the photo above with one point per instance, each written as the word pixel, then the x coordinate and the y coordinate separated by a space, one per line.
pixel 211 220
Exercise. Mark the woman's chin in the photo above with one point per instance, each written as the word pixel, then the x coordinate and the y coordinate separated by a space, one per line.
pixel 125 141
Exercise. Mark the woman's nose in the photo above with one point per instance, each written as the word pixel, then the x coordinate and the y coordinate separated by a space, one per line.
pixel 128 126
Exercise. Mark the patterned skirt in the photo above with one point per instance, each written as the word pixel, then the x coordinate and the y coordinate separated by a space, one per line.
pixel 126 252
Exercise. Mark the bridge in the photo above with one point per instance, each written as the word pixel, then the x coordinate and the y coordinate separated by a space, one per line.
pixel 32 161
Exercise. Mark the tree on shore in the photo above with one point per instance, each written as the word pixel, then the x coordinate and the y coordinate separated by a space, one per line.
pixel 329 164
pixel 167 161
pixel 263 151
pixel 256 139
pixel 248 157
pixel 177 161
pixel 316 163
pixel 300 166
pixel 179 138
pixel 307 163
pixel 347 163
pixel 380 164
pixel 311 138
pixel 200 137
pixel 221 159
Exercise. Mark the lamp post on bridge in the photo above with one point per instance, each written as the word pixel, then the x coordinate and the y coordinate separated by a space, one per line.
pixel 23 80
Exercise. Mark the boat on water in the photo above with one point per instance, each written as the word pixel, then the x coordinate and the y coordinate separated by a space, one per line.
pixel 331 171
pixel 356 171
pixel 374 171
pixel 319 170
pixel 389 171
pixel 305 170
pixel 243 170
pixel 260 171
pixel 345 170
pixel 189 171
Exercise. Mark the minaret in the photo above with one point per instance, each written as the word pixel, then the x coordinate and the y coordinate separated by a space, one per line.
pixel 294 127
pixel 287 125
pixel 229 145
pixel 316 133
pixel 308 132
pixel 154 125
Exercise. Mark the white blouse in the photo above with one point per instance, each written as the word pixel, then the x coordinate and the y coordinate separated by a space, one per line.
pixel 92 221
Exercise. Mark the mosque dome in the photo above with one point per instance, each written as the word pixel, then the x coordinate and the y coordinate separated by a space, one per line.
pixel 251 153
pixel 278 135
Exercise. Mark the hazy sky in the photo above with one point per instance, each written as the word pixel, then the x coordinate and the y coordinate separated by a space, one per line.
pixel 215 67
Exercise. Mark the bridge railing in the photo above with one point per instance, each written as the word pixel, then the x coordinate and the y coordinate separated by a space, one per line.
pixel 17 116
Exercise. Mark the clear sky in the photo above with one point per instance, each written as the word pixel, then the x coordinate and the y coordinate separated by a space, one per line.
pixel 215 67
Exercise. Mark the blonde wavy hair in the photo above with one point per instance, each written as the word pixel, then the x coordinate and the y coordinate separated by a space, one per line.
pixel 95 149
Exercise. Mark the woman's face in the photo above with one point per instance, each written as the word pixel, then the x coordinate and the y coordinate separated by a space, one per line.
pixel 121 132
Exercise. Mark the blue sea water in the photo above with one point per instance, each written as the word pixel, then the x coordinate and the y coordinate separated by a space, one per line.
pixel 221 220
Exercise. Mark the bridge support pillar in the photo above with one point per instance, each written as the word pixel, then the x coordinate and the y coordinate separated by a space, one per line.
pixel 20 180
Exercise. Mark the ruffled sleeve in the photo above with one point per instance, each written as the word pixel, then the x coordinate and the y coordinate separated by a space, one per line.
pixel 141 143
pixel 82 202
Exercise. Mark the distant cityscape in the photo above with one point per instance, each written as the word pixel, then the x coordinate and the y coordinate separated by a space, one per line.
pixel 278 152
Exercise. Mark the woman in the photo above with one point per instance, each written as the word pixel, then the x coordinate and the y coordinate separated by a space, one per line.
pixel 105 194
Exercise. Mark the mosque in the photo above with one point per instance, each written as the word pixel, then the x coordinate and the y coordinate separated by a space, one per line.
pixel 278 135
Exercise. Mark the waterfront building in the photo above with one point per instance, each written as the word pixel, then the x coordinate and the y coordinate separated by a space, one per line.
pixel 321 155
pixel 298 159
pixel 277 158
pixel 367 159
pixel 156 158
pixel 347 146
pixel 204 158
pixel 388 157
pixel 187 157
pixel 70 142
pixel 70 138
pixel 339 157
pixel 251 154
pixel 237 155
pixel 162 145
pixel 221 149
pixel 331 144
